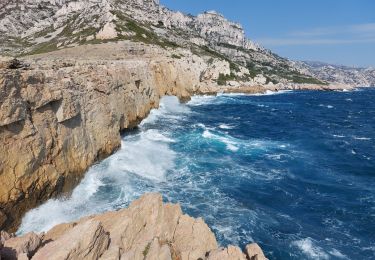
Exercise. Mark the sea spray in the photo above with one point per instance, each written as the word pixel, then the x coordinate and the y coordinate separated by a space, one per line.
pixel 276 169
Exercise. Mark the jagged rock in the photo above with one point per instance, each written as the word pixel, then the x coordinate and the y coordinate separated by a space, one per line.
pixel 87 240
pixel 229 253
pixel 193 238
pixel 69 107
pixel 4 236
pixel 108 32
pixel 21 247
pixel 254 252
pixel 157 251
pixel 148 230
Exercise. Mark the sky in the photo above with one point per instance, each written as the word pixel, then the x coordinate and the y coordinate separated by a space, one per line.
pixel 332 31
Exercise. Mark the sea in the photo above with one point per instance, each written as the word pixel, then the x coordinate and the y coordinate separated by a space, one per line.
pixel 293 171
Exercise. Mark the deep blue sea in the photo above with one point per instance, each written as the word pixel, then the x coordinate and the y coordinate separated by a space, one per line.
pixel 293 171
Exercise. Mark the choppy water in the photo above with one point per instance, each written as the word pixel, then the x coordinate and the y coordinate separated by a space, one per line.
pixel 294 172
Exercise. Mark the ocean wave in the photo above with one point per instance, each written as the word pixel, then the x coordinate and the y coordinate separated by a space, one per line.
pixel 361 138
pixel 169 106
pixel 201 100
pixel 312 251
pixel 327 106
pixel 226 126
pixel 230 144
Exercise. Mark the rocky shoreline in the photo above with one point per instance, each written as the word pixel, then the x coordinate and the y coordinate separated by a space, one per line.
pixel 148 229
pixel 63 111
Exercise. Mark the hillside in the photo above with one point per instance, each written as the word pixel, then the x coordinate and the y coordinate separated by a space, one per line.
pixel 32 27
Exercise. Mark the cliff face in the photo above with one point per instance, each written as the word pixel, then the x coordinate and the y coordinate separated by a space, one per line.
pixel 148 229
pixel 62 113
pixel 30 27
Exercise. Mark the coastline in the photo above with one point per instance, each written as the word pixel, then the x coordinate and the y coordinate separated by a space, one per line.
pixel 62 113
pixel 147 229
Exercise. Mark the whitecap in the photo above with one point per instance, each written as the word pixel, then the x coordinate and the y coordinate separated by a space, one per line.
pixel 311 250
pixel 327 106
pixel 146 155
pixel 226 126
pixel 169 106
pixel 230 143
pixel 362 138
pixel 338 254
pixel 201 100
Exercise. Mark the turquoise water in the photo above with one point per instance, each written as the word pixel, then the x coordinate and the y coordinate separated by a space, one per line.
pixel 293 171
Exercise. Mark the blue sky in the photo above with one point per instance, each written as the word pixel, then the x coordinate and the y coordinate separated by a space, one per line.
pixel 334 31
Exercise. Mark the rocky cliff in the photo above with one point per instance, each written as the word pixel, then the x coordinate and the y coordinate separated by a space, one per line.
pixel 148 229
pixel 98 68
pixel 30 27
pixel 61 112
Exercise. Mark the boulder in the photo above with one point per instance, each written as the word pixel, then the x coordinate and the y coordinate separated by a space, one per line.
pixel 87 240
pixel 148 230
pixel 19 247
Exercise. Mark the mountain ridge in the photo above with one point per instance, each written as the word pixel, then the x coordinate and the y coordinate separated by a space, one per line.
pixel 31 27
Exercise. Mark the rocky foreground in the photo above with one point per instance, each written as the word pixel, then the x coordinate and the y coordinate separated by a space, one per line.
pixel 148 229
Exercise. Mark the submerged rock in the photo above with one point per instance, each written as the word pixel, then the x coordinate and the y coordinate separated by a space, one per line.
pixel 148 229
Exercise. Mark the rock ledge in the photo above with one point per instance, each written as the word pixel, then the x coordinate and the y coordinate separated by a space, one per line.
pixel 148 229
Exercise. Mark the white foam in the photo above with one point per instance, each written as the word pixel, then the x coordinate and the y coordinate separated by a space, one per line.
pixel 225 126
pixel 201 100
pixel 146 154
pixel 362 138
pixel 327 106
pixel 269 92
pixel 338 254
pixel 311 250
pixel 230 144
pixel 169 106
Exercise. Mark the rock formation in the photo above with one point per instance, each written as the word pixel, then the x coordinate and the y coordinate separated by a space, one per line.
pixel 29 27
pixel 60 112
pixel 148 229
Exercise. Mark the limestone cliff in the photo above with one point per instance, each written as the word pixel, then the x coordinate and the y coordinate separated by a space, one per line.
pixel 148 229
pixel 63 111
pixel 61 114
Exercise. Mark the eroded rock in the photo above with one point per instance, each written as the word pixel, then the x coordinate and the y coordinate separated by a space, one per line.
pixel 254 252
pixel 148 230
pixel 87 240
pixel 21 247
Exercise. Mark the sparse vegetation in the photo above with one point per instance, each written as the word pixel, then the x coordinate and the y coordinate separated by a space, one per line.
pixel 146 250
pixel 222 80
pixel 176 56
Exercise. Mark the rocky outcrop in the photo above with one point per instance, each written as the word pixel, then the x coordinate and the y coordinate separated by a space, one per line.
pixel 148 229
pixel 68 108
pixel 60 112
pixel 353 76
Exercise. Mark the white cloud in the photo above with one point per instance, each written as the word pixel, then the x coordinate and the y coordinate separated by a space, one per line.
pixel 296 41
pixel 333 35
